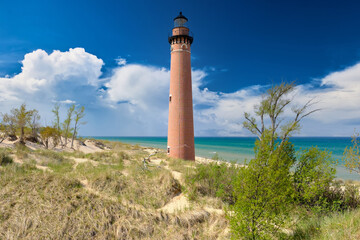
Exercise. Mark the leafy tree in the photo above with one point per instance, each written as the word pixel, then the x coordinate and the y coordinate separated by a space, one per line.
pixel 9 124
pixel 3 131
pixel 57 125
pixel 264 188
pixel 79 114
pixel 34 124
pixel 263 191
pixel 22 117
pixel 272 106
pixel 48 133
pixel 351 155
pixel 67 122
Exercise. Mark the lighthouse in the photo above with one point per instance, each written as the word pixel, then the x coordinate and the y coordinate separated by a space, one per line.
pixel 181 123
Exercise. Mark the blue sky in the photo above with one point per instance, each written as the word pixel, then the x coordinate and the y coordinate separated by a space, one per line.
pixel 239 49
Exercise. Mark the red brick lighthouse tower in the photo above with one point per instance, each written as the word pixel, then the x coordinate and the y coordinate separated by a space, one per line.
pixel 181 123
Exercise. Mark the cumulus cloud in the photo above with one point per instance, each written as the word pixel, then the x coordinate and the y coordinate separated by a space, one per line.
pixel 43 74
pixel 65 77
pixel 138 85
pixel 133 100
pixel 337 95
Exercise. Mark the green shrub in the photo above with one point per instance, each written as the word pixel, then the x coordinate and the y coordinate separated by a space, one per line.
pixel 5 158
pixel 213 180
pixel 313 176
pixel 340 197
pixel 263 193
pixel 215 157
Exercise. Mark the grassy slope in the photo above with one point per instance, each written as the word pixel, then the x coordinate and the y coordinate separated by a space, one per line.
pixel 108 195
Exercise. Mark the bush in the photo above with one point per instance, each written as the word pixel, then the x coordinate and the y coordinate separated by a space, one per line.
pixel 213 180
pixel 215 157
pixel 263 193
pixel 341 197
pixel 352 155
pixel 5 158
pixel 313 176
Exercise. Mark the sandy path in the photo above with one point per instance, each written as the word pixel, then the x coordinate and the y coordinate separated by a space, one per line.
pixel 177 204
pixel 181 202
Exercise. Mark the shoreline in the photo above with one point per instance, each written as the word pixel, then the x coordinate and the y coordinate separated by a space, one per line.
pixel 341 172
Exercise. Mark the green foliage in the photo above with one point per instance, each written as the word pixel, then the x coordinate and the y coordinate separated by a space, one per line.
pixel 9 122
pixel 22 118
pixel 215 157
pixel 263 192
pixel 34 125
pixel 79 114
pixel 351 155
pixel 4 157
pixel 338 197
pixel 48 133
pixel 66 124
pixel 313 176
pixel 213 180
pixel 7 127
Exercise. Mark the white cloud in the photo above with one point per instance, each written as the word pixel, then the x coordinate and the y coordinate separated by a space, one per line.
pixel 46 75
pixel 142 86
pixel 133 100
pixel 70 76
pixel 67 101
pixel 120 61
pixel 338 98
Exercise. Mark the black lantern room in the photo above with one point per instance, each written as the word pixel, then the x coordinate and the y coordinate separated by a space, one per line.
pixel 180 21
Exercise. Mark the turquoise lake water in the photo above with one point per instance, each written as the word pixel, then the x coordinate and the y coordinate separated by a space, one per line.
pixel 240 148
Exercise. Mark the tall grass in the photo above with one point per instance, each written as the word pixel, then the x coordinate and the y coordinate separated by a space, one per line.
pixel 213 179
pixel 334 226
pixel 4 157
pixel 36 204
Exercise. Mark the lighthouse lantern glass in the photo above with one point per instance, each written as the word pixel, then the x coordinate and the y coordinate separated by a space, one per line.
pixel 180 22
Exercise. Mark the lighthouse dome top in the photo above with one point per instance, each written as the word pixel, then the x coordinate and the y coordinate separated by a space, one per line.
pixel 180 21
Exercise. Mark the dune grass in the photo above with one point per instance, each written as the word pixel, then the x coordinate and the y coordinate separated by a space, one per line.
pixel 107 196
pixel 332 226
pixel 4 157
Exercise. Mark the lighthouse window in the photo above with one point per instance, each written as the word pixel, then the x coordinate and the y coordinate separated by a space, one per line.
pixel 170 98
pixel 168 149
